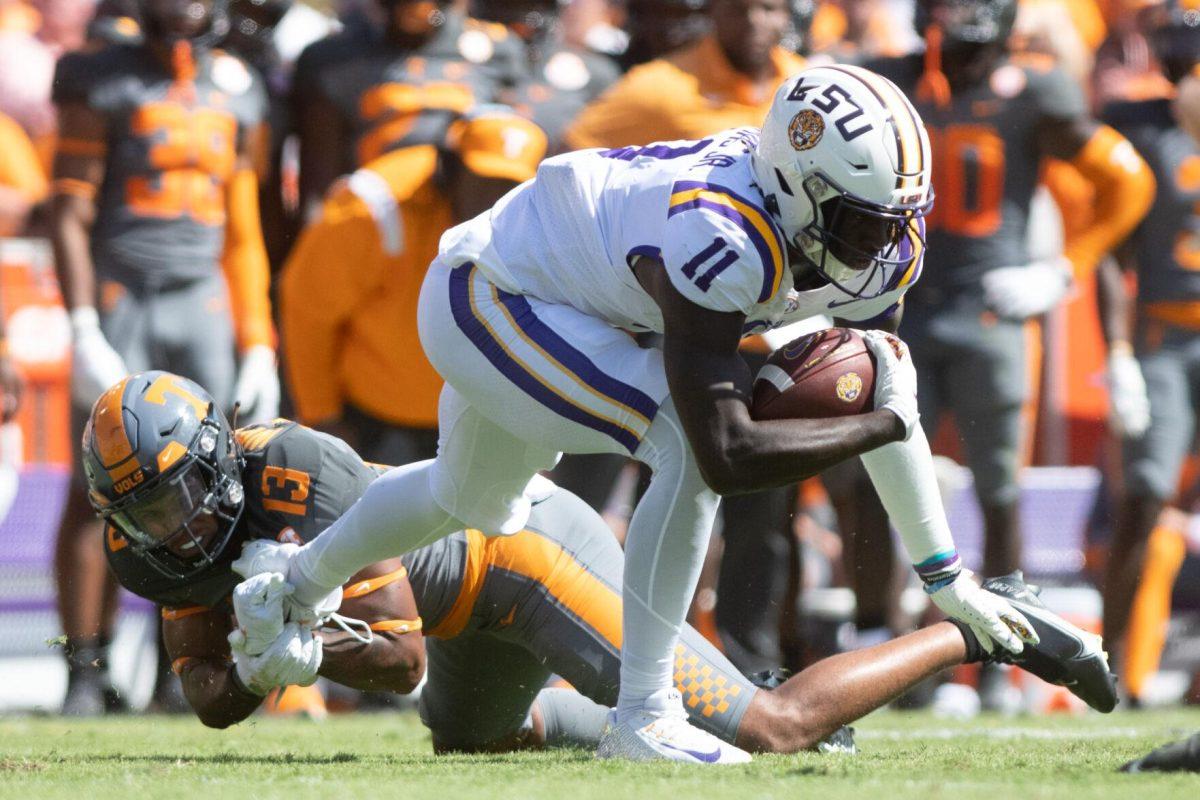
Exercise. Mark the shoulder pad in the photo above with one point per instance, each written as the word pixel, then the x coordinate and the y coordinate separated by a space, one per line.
pixel 721 249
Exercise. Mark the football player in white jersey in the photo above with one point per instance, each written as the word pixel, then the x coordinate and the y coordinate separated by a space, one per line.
pixel 527 313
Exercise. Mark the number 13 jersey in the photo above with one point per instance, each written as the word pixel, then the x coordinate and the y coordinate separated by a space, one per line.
pixel 572 234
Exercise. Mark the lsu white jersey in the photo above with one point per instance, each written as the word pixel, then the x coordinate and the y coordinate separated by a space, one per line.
pixel 572 233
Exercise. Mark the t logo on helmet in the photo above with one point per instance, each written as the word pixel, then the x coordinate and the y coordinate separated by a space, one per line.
pixel 157 393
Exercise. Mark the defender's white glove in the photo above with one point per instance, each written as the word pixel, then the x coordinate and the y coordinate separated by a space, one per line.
pixel 260 556
pixel 258 606
pixel 95 366
pixel 1128 402
pixel 992 619
pixel 257 388
pixel 1023 292
pixel 291 660
pixel 895 378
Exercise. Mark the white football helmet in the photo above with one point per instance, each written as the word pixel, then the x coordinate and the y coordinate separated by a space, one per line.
pixel 843 165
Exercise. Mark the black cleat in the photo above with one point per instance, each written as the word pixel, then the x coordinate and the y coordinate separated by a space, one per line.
pixel 1176 757
pixel 1065 656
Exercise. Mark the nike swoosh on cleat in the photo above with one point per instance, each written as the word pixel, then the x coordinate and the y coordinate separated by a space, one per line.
pixel 707 758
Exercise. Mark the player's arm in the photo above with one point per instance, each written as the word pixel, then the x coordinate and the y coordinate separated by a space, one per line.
pixel 394 660
pixel 196 643
pixel 1124 184
pixel 245 257
pixel 1129 403
pixel 711 386
pixel 322 148
pixel 79 165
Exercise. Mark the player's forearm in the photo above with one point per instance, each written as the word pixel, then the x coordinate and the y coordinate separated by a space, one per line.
pixel 903 476
pixel 392 662
pixel 215 695
pixel 71 222
pixel 1113 305
pixel 767 454
pixel 245 263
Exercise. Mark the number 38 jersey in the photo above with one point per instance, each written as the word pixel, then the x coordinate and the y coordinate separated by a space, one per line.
pixel 170 148
pixel 986 163
pixel 572 234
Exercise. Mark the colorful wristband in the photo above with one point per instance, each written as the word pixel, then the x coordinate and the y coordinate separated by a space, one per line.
pixel 939 570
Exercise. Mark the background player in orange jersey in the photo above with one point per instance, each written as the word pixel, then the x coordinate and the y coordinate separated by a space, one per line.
pixel 355 364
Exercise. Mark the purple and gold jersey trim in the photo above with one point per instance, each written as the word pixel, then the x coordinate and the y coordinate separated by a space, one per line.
pixel 755 222
pixel 529 353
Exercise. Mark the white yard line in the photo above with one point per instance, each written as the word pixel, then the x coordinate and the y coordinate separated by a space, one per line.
pixel 1022 733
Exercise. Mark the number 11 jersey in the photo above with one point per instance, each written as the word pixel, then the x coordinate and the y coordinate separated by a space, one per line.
pixel 573 233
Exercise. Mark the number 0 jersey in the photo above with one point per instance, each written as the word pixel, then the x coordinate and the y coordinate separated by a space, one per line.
pixel 169 149
pixel 986 164
pixel 573 233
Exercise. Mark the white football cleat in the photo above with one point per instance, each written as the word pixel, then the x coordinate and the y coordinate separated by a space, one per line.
pixel 660 731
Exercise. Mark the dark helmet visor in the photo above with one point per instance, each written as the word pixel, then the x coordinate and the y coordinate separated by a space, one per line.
pixel 161 513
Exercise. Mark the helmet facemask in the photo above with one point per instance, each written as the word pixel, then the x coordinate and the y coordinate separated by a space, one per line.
pixel 859 246
pixel 181 522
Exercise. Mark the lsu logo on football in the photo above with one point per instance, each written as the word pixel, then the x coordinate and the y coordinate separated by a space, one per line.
pixel 849 387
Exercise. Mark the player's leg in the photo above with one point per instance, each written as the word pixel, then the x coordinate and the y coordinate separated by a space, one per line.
pixel 567 567
pixel 753 576
pixel 1151 465
pixel 811 705
pixel 87 591
pixel 510 404
pixel 988 390
pixel 194 336
pixel 754 568
pixel 580 386
pixel 479 693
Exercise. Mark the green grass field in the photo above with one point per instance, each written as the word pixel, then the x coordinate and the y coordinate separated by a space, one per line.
pixel 388 756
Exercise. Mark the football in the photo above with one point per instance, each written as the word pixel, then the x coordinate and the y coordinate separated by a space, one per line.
pixel 829 373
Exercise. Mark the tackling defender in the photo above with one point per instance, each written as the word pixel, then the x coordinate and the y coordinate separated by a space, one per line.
pixel 527 312
pixel 488 619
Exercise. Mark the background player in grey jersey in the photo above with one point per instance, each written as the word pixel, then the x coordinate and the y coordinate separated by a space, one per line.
pixel 992 118
pixel 155 213
pixel 1165 253
pixel 489 619
pixel 563 77
pixel 369 90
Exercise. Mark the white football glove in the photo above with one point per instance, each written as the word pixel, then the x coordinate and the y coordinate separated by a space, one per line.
pixel 895 378
pixel 1128 402
pixel 95 366
pixel 1022 292
pixel 258 606
pixel 261 556
pixel 990 616
pixel 257 388
pixel 291 660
